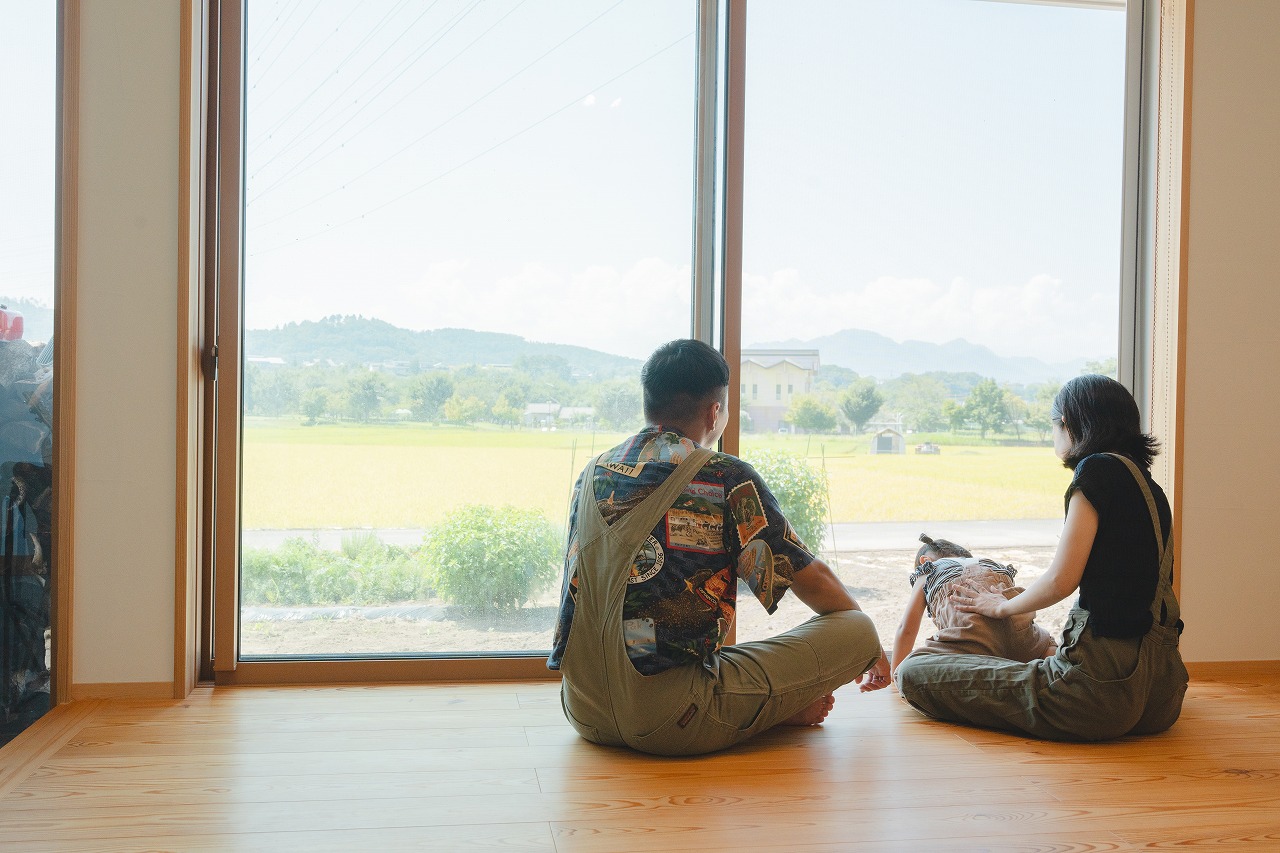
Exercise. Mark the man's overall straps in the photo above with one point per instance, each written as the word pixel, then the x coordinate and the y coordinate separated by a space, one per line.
pixel 640 521
pixel 1165 547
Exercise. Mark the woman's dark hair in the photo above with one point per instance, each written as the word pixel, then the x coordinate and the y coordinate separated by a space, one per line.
pixel 940 548
pixel 1102 417
pixel 680 378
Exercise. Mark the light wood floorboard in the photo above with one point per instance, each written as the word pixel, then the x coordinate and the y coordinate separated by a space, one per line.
pixel 495 767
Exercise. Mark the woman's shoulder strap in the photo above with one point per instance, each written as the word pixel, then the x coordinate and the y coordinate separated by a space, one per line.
pixel 1141 480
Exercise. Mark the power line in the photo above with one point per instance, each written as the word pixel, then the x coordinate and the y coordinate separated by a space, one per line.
pixel 476 157
pixel 337 68
pixel 265 96
pixel 284 47
pixel 444 123
pixel 300 166
pixel 277 26
pixel 303 133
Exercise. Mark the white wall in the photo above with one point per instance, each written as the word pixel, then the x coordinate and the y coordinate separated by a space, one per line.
pixel 126 397
pixel 127 305
pixel 1231 486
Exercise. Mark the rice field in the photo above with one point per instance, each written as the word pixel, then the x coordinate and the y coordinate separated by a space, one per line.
pixel 411 475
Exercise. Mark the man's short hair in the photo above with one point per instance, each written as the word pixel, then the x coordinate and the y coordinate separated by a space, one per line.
pixel 680 378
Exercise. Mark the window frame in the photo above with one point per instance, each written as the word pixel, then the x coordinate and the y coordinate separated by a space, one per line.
pixel 716 303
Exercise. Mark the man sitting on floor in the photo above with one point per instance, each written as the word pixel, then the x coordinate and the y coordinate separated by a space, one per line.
pixel 661 529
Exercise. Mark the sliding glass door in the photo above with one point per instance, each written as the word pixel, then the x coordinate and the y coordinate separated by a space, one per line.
pixel 465 225
pixel 28 45
pixel 932 244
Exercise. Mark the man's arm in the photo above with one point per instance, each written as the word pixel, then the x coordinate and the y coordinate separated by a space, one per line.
pixel 819 588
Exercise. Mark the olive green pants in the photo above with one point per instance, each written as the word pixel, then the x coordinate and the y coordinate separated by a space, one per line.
pixel 1093 688
pixel 688 710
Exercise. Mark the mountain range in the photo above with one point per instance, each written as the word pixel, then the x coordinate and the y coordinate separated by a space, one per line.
pixel 872 354
pixel 363 340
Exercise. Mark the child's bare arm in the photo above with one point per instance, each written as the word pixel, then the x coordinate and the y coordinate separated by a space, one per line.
pixel 909 626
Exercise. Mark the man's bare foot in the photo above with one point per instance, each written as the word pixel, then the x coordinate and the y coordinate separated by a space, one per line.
pixel 814 714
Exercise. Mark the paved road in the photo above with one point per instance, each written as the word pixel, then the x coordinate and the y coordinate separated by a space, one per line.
pixel 875 536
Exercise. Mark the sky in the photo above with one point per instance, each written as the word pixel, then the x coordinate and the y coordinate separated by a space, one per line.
pixel 921 168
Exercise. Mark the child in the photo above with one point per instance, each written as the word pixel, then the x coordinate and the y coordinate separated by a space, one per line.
pixel 940 565
pixel 1117 670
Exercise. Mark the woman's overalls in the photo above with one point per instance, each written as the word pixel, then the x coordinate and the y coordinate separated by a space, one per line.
pixel 1093 688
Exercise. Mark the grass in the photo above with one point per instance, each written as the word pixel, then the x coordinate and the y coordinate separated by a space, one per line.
pixel 411 475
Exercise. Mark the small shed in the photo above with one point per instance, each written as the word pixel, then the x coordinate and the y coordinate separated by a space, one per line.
pixel 888 440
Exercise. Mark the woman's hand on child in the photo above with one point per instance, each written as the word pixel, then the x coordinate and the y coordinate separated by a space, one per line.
pixel 968 597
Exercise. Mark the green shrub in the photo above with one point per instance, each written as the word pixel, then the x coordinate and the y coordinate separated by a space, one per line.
pixel 301 574
pixel 485 558
pixel 801 491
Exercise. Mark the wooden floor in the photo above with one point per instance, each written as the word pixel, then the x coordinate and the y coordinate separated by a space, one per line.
pixel 494 767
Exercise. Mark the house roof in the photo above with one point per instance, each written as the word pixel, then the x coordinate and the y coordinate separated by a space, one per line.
pixel 805 359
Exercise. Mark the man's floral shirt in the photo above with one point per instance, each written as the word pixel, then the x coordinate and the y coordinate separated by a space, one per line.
pixel 682 593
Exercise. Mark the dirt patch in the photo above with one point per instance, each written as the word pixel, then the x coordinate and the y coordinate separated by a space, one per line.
pixel 878 580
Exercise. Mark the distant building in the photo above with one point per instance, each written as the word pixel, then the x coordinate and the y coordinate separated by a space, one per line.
pixel 888 440
pixel 541 414
pixel 271 362
pixel 577 415
pixel 395 368
pixel 771 379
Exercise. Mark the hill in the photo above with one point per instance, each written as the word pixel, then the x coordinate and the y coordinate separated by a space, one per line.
pixel 872 354
pixel 364 340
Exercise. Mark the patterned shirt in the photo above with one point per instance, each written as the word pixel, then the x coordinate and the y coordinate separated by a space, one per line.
pixel 682 593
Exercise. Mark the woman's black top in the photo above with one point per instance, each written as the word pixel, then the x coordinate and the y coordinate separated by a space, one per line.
pixel 1120 577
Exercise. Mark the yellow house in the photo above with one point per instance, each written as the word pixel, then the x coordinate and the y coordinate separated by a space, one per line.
pixel 771 378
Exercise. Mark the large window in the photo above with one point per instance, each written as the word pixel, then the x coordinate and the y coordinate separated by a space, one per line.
pixel 933 196
pixel 464 225
pixel 27 148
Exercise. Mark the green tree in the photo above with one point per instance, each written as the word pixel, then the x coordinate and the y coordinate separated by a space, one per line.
pixel 465 410
pixel 428 393
pixel 544 367
pixel 954 414
pixel 1106 366
pixel 834 377
pixel 271 391
pixel 618 404
pixel 811 414
pixel 986 406
pixel 509 409
pixel 364 395
pixel 315 404
pixel 1017 410
pixel 919 399
pixel 800 488
pixel 860 402
pixel 1038 410
pixel 492 559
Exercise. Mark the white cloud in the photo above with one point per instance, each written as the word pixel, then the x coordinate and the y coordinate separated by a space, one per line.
pixel 589 101
pixel 617 102
pixel 627 312
pixel 1041 317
